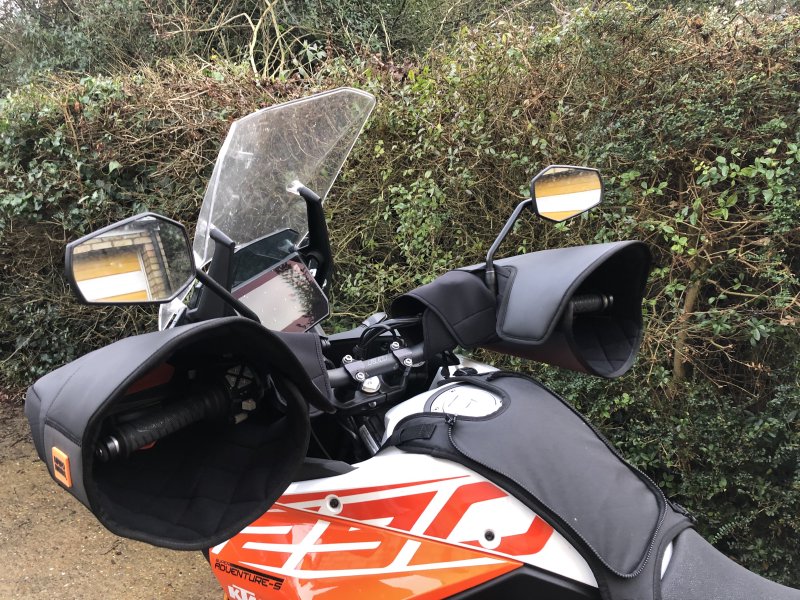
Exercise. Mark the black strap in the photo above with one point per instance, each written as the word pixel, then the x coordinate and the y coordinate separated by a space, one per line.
pixel 416 432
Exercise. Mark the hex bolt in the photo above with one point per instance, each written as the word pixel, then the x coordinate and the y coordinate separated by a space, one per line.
pixel 360 377
pixel 347 359
pixel 394 346
pixel 371 385
pixel 408 362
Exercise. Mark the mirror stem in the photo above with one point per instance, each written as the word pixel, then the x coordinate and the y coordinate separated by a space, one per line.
pixel 226 296
pixel 212 306
pixel 490 277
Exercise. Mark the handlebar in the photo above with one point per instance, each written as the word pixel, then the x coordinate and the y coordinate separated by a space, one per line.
pixel 360 370
pixel 590 303
pixel 405 357
pixel 128 437
pixel 215 401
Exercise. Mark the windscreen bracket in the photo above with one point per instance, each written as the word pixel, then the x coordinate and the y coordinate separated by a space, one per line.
pixel 319 244
pixel 219 280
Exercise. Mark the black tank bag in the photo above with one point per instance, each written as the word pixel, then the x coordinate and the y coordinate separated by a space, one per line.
pixel 550 458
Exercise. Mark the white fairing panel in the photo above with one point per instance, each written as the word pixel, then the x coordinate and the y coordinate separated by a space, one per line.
pixel 506 514
pixel 517 531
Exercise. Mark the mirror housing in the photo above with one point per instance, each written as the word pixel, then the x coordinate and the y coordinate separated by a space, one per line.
pixel 562 192
pixel 145 259
pixel 582 188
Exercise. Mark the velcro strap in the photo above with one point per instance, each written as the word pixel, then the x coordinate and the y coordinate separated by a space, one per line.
pixel 419 431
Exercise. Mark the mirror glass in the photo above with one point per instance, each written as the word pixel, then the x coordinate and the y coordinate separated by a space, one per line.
pixel 560 193
pixel 141 260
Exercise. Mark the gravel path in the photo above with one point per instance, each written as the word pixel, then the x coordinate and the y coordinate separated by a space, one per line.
pixel 53 548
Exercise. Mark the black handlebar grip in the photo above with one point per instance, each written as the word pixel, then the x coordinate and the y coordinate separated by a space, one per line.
pixel 590 303
pixel 138 433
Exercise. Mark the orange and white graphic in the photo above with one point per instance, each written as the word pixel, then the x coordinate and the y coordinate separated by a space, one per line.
pixel 420 539
pixel 452 510
pixel 334 558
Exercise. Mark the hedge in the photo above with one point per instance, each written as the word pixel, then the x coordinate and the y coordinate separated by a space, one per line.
pixel 692 119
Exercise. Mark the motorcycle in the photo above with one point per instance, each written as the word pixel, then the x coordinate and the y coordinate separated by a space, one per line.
pixel 373 462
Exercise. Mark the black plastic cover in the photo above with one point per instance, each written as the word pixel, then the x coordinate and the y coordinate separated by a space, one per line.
pixel 199 486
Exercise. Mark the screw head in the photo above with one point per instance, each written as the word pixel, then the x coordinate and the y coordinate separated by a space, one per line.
pixel 360 377
pixel 334 505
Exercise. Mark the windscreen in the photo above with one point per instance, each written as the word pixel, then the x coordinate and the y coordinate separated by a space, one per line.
pixel 304 140
pixel 265 153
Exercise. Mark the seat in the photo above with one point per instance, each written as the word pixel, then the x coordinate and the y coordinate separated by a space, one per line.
pixel 698 571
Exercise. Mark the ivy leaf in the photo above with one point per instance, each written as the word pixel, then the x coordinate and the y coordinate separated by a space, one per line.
pixel 113 166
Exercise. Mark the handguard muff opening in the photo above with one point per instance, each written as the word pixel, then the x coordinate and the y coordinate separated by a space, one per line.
pixel 534 314
pixel 208 478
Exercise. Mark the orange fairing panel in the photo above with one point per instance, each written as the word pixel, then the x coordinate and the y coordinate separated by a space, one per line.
pixel 290 553
pixel 432 509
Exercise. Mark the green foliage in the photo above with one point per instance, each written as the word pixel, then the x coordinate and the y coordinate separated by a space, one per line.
pixel 693 122
pixel 465 130
pixel 41 171
pixel 690 115
pixel 89 36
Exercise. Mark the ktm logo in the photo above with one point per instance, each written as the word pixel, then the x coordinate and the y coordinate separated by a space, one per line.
pixel 237 593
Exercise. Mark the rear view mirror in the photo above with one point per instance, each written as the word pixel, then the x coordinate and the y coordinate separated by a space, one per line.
pixel 142 260
pixel 560 193
pixel 557 193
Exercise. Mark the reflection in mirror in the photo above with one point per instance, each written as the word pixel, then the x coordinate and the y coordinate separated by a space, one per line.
pixel 560 193
pixel 145 259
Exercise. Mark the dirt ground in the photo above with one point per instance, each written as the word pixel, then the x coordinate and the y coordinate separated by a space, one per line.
pixel 53 548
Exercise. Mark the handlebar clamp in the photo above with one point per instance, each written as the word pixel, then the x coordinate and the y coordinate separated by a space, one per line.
pixel 404 357
pixel 359 371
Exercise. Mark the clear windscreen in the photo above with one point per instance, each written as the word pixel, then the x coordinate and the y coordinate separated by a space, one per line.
pixel 304 140
pixel 264 154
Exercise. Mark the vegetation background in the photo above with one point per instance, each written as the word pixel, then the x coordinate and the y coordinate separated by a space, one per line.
pixel 691 110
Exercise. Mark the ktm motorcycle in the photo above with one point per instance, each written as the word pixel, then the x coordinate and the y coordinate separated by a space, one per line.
pixel 371 463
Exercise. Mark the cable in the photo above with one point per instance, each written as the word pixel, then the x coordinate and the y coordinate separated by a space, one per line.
pixel 319 443
pixel 373 332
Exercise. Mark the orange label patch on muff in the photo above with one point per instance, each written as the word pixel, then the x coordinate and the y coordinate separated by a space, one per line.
pixel 61 467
